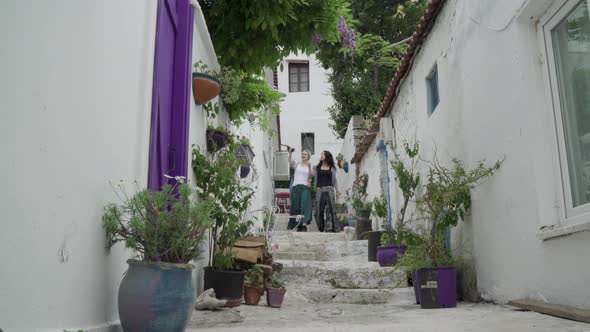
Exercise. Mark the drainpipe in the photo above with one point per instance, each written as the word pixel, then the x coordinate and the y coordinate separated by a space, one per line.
pixel 382 147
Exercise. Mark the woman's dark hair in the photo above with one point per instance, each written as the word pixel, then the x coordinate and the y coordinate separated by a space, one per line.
pixel 328 159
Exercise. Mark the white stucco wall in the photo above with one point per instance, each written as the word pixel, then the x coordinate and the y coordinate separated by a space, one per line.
pixel 307 111
pixel 76 101
pixel 494 102
pixel 77 83
pixel 345 180
pixel 202 51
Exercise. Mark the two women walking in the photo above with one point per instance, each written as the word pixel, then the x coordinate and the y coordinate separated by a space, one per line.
pixel 324 175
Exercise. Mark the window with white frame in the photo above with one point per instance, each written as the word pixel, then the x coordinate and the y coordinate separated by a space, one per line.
pixel 432 88
pixel 567 38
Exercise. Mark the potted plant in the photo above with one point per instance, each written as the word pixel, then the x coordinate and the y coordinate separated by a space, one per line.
pixel 216 177
pixel 445 199
pixel 205 85
pixel 247 96
pixel 217 138
pixel 275 292
pixel 380 210
pixel 167 230
pixel 393 239
pixel 361 205
pixel 253 285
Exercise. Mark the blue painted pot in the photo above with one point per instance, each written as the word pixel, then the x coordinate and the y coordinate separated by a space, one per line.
pixel 156 296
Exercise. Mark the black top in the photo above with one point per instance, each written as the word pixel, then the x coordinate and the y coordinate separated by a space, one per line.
pixel 324 177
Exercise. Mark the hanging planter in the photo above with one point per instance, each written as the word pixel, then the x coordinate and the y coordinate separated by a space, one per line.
pixel 205 88
pixel 244 171
pixel 216 140
pixel 245 153
pixel 345 166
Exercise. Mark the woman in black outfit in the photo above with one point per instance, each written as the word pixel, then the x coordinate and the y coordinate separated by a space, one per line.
pixel 327 186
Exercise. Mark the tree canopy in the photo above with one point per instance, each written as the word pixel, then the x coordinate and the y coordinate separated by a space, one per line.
pixel 251 35
pixel 359 77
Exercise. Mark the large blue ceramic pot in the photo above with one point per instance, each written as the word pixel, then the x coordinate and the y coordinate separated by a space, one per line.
pixel 156 297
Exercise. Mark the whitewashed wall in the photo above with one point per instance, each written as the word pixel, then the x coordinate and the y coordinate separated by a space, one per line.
pixel 345 180
pixel 307 111
pixel 494 104
pixel 202 51
pixel 76 101
pixel 77 107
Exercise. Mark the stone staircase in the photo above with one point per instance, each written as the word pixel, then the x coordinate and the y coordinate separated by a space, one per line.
pixel 326 268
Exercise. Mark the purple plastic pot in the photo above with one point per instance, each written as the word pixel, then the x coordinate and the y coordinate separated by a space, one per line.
pixel 438 287
pixel 388 255
pixel 275 296
pixel 416 283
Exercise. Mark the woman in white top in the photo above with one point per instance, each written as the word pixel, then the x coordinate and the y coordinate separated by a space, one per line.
pixel 301 203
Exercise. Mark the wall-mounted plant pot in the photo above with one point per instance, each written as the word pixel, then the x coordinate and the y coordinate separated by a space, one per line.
pixel 216 140
pixel 205 88
pixel 345 167
pixel 244 171
pixel 341 163
pixel 245 153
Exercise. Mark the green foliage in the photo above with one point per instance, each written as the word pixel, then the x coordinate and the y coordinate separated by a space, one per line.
pixel 380 207
pixel 256 34
pixel 167 225
pixel 277 282
pixel 360 80
pixel 407 177
pixel 269 220
pixel 216 177
pixel 427 251
pixel 243 94
pixel 447 193
pixel 445 199
pixel 359 194
pixel 254 276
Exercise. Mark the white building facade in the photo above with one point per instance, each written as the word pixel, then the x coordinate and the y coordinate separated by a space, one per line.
pixel 506 79
pixel 305 121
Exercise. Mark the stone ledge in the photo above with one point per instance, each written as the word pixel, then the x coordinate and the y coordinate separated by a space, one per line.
pixel 557 310
pixel 555 231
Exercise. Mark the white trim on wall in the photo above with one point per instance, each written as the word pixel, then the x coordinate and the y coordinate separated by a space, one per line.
pixel 572 219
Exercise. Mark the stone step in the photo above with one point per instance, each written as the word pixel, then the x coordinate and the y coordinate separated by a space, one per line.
pixel 297 255
pixel 325 246
pixel 282 220
pixel 323 294
pixel 345 275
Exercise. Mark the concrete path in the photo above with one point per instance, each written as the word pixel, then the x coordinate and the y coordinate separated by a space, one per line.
pixel 332 287
pixel 400 314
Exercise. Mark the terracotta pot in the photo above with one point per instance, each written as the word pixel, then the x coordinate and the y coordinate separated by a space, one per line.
pixel 252 294
pixel 205 88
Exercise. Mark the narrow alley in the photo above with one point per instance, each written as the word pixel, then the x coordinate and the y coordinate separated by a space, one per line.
pixel 332 287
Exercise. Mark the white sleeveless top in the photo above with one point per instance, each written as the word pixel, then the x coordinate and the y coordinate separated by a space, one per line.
pixel 301 174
